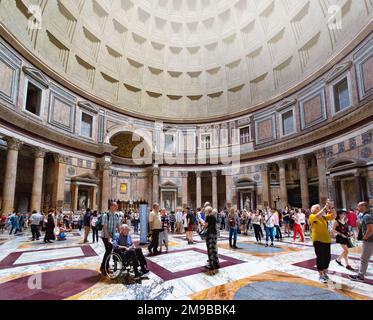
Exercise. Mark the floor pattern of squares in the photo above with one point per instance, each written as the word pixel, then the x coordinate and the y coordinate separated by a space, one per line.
pixel 70 270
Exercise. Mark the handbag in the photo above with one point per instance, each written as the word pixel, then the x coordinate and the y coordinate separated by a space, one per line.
pixel 352 241
pixel 203 234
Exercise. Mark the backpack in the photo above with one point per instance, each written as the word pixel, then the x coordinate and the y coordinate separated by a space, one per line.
pixel 191 219
pixel 99 223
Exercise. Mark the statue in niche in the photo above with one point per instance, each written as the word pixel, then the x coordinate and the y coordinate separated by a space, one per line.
pixel 248 203
pixel 168 205
pixel 82 202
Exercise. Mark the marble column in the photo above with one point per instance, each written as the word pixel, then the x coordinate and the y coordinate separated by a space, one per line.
pixel 198 190
pixel 303 177
pixel 266 192
pixel 74 196
pixel 94 198
pixel 321 172
pixel 184 176
pixel 214 189
pixel 10 177
pixel 37 184
pixel 105 168
pixel 228 189
pixel 360 192
pixel 337 185
pixel 58 195
pixel 134 190
pixel 155 184
pixel 283 188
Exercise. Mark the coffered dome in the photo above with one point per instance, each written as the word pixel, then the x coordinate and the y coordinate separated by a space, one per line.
pixel 184 59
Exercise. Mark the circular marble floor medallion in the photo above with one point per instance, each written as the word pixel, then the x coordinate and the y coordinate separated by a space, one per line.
pixel 271 290
pixel 54 285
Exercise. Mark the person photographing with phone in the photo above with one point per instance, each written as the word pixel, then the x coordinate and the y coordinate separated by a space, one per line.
pixel 321 238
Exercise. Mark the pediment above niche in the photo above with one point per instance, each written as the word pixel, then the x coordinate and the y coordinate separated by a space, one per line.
pixel 88 106
pixel 37 76
pixel 337 71
pixel 87 178
pixel 285 104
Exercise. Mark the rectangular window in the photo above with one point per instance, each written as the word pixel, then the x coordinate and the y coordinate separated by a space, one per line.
pixel 33 99
pixel 341 95
pixel 169 141
pixel 86 125
pixel 245 135
pixel 287 123
pixel 205 141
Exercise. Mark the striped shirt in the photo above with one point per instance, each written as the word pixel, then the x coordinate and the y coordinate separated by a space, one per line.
pixel 111 220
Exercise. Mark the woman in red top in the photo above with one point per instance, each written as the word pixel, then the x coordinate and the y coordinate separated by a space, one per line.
pixel 352 221
pixel 2 222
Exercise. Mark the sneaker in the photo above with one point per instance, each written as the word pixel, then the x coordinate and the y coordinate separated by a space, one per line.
pixel 350 268
pixel 272 244
pixel 145 271
pixel 266 244
pixel 339 262
pixel 356 278
pixel 326 277
pixel 323 280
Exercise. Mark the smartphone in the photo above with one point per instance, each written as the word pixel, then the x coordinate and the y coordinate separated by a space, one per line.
pixel 331 204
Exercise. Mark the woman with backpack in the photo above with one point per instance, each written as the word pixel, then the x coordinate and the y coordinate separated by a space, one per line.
pixel 211 239
pixel 233 223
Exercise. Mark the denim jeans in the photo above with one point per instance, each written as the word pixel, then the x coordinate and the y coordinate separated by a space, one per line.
pixel 269 234
pixel 35 231
pixel 233 232
pixel 136 226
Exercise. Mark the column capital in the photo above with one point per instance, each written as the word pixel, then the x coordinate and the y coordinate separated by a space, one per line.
pixel 184 174
pixel 156 171
pixel 320 154
pixel 134 175
pixel 60 158
pixel 214 173
pixel 13 143
pixel 104 165
pixel 39 152
pixel 281 164
pixel 264 167
pixel 198 174
pixel 301 159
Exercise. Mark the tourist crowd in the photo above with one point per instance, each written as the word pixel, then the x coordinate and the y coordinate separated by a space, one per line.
pixel 319 223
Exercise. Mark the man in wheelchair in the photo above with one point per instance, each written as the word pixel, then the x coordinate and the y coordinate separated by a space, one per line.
pixel 124 246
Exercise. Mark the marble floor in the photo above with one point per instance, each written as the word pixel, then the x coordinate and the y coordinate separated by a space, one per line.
pixel 70 270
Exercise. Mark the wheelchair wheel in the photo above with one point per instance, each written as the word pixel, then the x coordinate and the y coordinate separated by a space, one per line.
pixel 114 265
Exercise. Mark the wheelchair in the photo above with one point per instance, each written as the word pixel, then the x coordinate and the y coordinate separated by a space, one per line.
pixel 116 266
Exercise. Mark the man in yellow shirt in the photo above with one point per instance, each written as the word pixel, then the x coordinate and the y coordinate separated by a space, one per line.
pixel 321 238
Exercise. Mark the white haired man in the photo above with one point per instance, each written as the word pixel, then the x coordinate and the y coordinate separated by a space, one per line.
pixel 124 245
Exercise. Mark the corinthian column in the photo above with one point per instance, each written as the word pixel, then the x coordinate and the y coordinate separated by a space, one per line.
pixel 58 196
pixel 214 189
pixel 156 184
pixel 228 189
pixel 37 184
pixel 304 181
pixel 321 169
pixel 283 188
pixel 266 186
pixel 10 178
pixel 184 176
pixel 198 190
pixel 105 168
